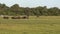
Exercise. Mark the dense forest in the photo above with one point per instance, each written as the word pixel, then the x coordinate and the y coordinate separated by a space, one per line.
pixel 36 11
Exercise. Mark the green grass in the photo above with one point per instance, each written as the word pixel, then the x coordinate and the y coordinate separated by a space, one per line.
pixel 41 25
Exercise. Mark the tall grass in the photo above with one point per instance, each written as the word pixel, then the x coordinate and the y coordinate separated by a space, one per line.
pixel 34 25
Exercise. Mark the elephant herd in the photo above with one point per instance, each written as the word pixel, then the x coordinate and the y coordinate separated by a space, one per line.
pixel 16 17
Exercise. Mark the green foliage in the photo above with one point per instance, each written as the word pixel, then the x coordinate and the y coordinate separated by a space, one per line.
pixel 37 11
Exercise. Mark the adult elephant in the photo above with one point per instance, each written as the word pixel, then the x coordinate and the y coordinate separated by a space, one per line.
pixel 15 17
pixel 25 17
pixel 5 17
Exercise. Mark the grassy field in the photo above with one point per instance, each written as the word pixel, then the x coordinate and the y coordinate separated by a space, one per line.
pixel 34 25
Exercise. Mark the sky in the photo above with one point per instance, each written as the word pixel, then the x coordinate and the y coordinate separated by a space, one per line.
pixel 32 3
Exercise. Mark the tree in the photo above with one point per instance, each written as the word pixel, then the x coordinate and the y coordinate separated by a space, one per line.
pixel 15 9
pixel 54 11
pixel 36 11
pixel 3 9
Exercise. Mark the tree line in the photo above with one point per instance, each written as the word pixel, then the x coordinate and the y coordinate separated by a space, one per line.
pixel 36 11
